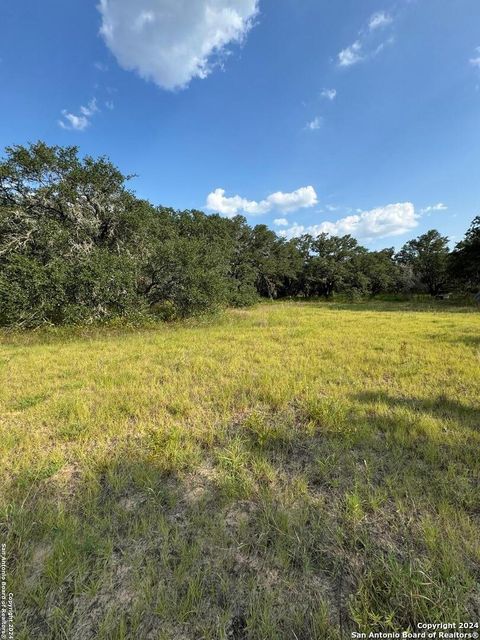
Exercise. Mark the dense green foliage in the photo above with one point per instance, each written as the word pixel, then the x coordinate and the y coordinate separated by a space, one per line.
pixel 465 259
pixel 77 245
pixel 428 258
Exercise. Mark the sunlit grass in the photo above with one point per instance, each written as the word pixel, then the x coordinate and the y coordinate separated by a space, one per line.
pixel 287 471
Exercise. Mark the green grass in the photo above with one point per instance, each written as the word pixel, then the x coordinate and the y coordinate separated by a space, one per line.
pixel 289 471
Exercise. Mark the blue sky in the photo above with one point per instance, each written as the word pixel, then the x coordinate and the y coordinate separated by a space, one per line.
pixel 353 116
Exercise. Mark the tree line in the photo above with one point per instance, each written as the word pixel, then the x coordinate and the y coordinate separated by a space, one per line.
pixel 77 245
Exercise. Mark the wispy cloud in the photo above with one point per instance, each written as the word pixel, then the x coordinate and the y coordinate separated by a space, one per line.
pixel 79 121
pixel 351 55
pixel 100 66
pixel 314 124
pixel 476 61
pixel 90 109
pixel 281 222
pixel 367 44
pixel 73 122
pixel 379 20
pixel 434 207
pixel 329 94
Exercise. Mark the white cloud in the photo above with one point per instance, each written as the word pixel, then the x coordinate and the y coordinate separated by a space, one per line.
pixel 351 55
pixel 302 198
pixel 79 122
pixel 281 222
pixel 90 109
pixel 143 19
pixel 294 231
pixel 231 206
pixel 330 94
pixel 379 20
pixel 476 61
pixel 434 207
pixel 173 41
pixel 382 222
pixel 73 122
pixel 315 124
pixel 364 47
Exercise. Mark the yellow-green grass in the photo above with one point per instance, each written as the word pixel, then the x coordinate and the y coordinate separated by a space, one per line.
pixel 290 471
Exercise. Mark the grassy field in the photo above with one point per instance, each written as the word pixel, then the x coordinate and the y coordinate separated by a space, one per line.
pixel 290 471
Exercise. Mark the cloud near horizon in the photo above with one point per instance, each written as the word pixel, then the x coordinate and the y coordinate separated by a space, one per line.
pixel 302 198
pixel 382 222
pixel 171 42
